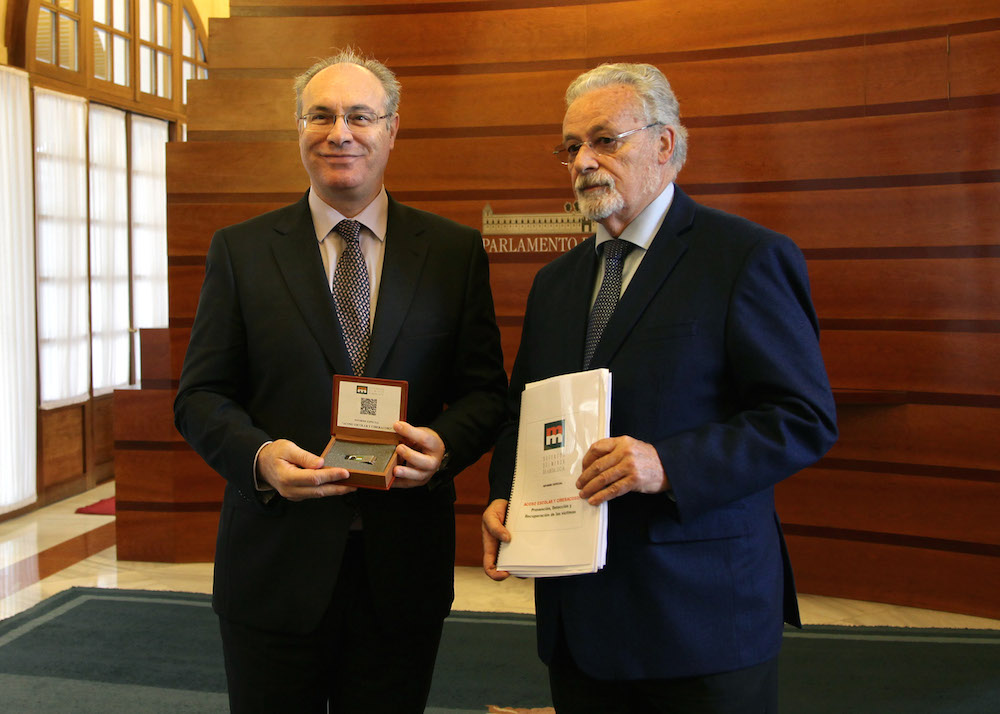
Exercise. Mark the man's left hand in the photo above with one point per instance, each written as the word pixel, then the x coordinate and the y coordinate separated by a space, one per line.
pixel 419 454
pixel 613 467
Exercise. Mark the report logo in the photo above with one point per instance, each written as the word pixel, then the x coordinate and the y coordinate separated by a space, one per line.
pixel 554 435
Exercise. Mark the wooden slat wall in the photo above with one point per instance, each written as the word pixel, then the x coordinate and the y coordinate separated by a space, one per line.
pixel 75 448
pixel 867 130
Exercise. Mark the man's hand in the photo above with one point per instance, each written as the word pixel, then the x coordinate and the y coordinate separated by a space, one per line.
pixel 613 467
pixel 297 474
pixel 493 533
pixel 419 453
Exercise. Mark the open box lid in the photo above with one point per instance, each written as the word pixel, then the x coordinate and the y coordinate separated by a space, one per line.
pixel 365 408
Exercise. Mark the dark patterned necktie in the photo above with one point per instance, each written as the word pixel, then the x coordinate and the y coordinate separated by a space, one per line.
pixel 615 251
pixel 351 294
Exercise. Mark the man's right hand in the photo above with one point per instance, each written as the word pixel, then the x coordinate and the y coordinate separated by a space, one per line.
pixel 297 474
pixel 493 533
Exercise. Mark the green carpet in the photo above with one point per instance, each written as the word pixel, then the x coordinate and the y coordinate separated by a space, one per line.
pixel 96 650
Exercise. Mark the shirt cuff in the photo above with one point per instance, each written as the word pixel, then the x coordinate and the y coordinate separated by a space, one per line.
pixel 265 491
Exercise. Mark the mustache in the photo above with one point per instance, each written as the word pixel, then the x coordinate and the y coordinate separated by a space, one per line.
pixel 595 179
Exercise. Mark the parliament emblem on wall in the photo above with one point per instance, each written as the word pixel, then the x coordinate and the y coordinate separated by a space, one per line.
pixel 534 232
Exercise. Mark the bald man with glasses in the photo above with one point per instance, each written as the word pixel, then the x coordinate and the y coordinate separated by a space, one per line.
pixel 332 598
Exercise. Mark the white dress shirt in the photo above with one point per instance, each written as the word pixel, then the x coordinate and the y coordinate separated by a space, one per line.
pixel 640 233
pixel 373 219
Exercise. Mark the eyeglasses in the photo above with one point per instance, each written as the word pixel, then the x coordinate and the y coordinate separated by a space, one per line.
pixel 325 121
pixel 603 145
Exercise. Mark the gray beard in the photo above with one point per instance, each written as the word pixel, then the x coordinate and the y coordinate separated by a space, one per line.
pixel 597 208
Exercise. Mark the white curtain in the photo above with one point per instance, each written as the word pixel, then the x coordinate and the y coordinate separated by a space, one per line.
pixel 109 274
pixel 61 244
pixel 17 297
pixel 149 223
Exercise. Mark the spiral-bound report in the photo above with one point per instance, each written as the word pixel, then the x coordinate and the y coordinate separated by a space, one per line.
pixel 553 530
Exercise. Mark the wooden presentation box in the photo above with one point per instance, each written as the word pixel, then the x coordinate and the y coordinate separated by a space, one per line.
pixel 361 436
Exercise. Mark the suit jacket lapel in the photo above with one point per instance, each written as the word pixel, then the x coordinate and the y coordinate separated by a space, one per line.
pixel 405 252
pixel 576 302
pixel 665 250
pixel 297 253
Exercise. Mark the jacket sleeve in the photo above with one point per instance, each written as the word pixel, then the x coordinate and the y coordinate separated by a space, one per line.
pixel 214 382
pixel 786 417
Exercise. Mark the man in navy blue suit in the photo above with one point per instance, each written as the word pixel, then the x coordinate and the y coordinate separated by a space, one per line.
pixel 719 392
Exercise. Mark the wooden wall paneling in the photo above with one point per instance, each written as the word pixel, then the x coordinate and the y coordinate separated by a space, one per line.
pixel 761 86
pixel 844 220
pixel 511 282
pixel 956 141
pixel 166 537
pixel 972 64
pixel 61 445
pixel 906 71
pixel 473 102
pixel 254 8
pixel 102 431
pixel 845 223
pixel 224 105
pixel 892 504
pixel 145 415
pixel 469 539
pixel 167 498
pixel 185 283
pixel 472 485
pixel 481 103
pixel 163 355
pixel 476 167
pixel 159 474
pixel 933 289
pixel 253 167
pixel 179 338
pixel 951 362
pixel 529 35
pixel 904 575
pixel 472 491
pixel 881 146
pixel 491 102
pixel 510 339
pixel 766 85
pixel 155 356
pixel 652 26
pixel 192 225
pixel 934 435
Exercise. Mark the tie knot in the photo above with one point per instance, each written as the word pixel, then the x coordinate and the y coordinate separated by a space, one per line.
pixel 616 249
pixel 349 229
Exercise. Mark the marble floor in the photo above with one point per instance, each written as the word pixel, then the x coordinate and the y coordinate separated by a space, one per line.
pixel 55 548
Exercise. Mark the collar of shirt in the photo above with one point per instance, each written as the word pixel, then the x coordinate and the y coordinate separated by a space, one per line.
pixel 644 227
pixel 640 233
pixel 373 218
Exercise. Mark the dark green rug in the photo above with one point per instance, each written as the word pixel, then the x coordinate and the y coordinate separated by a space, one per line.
pixel 95 650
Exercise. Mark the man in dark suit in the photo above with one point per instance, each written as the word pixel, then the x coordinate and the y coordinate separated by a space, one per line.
pixel 329 595
pixel 719 392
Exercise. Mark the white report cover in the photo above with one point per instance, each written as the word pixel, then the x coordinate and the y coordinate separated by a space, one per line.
pixel 553 530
